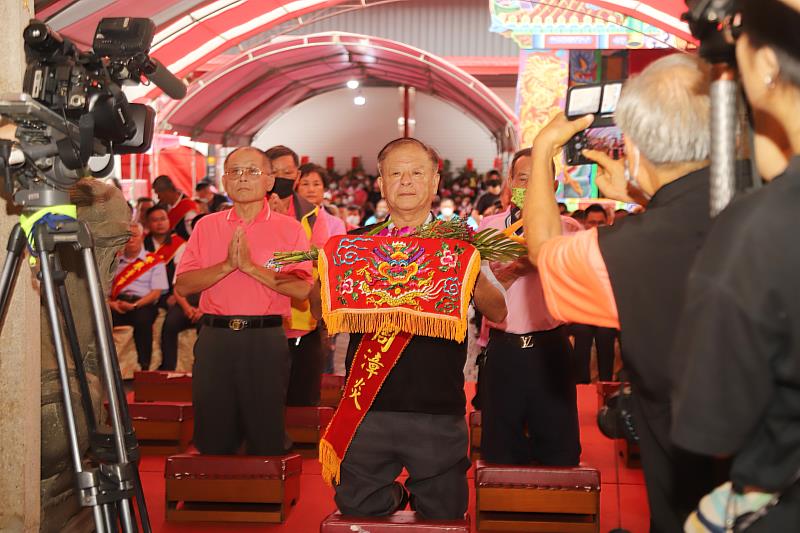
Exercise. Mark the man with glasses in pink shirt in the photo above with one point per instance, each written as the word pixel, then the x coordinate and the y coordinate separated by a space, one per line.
pixel 241 367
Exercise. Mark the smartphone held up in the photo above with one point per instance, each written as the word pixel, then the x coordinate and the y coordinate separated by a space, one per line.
pixel 600 100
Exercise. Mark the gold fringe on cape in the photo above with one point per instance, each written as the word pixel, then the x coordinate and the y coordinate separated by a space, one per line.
pixel 408 320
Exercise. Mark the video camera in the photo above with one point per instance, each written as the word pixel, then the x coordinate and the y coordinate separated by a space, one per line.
pixel 73 108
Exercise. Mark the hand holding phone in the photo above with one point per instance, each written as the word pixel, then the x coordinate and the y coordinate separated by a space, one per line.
pixel 600 100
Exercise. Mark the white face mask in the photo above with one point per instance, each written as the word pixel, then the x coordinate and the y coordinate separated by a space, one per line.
pixel 447 212
pixel 630 177
pixel 353 220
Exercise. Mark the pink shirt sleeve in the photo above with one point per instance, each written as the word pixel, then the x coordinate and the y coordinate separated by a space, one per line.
pixel 575 280
pixel 190 258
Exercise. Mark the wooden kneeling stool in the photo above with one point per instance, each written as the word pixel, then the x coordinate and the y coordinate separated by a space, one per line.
pixel 400 521
pixel 162 427
pixel 537 499
pixel 305 426
pixel 331 390
pixel 232 488
pixel 475 435
pixel 159 386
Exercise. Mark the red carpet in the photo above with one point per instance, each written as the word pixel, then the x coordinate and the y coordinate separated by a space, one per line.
pixel 316 500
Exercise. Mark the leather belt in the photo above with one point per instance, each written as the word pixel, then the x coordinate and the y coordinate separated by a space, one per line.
pixel 238 323
pixel 525 341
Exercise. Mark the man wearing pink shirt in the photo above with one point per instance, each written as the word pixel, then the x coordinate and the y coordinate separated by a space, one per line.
pixel 527 379
pixel 241 364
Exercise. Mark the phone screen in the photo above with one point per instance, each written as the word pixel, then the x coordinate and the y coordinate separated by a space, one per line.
pixel 611 92
pixel 584 100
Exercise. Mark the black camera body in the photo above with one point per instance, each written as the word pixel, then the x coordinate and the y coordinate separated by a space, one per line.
pixel 77 83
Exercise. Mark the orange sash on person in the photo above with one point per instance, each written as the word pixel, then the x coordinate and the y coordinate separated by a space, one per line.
pixel 133 271
pixel 390 289
pixel 180 210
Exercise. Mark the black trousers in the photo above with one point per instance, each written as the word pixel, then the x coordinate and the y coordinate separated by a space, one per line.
pixel 239 390
pixel 175 322
pixel 142 319
pixel 582 353
pixel 432 448
pixel 305 379
pixel 675 479
pixel 529 390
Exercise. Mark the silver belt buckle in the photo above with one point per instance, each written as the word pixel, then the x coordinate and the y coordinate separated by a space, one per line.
pixel 237 324
pixel 526 341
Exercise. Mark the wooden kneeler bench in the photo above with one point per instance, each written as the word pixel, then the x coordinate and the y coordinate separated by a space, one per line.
pixel 475 435
pixel 162 427
pixel 406 521
pixel 232 488
pixel 158 386
pixel 537 499
pixel 331 389
pixel 305 426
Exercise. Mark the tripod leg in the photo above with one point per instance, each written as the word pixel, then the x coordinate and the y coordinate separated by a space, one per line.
pixel 105 349
pixel 15 247
pixel 75 349
pixel 55 327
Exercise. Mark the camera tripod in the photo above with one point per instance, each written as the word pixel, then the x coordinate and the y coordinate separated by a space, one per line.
pixel 110 483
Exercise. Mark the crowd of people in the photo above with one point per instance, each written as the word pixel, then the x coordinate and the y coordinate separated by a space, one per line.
pixel 705 309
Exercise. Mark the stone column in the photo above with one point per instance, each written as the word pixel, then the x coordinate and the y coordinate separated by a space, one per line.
pixel 20 358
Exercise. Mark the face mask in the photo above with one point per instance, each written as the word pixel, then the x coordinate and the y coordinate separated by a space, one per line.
pixel 283 187
pixel 353 220
pixel 380 213
pixel 518 196
pixel 447 212
pixel 630 177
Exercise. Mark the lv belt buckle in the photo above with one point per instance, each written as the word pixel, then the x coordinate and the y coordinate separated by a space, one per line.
pixel 237 324
pixel 526 341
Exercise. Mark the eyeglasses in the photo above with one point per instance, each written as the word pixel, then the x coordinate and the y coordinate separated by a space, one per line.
pixel 239 172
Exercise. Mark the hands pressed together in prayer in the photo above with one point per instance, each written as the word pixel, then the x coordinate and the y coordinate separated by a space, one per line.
pixel 239 257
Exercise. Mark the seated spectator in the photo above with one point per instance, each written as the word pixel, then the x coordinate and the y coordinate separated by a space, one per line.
pixel 579 215
pixel 167 246
pixel 381 212
pixel 562 209
pixel 180 208
pixel 595 216
pixel 492 195
pixel 205 194
pixel 447 211
pixel 353 217
pixel 140 212
pixel 139 280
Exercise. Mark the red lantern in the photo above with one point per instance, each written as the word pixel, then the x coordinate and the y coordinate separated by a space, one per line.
pixel 355 163
pixel 470 165
pixel 498 163
pixel 304 159
pixel 329 162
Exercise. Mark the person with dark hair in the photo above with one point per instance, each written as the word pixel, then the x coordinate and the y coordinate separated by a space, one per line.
pixel 562 209
pixel 139 281
pixel 416 420
pixel 180 208
pixel 527 389
pixel 579 215
pixel 143 203
pixel 595 216
pixel 302 332
pixel 633 276
pixel 490 197
pixel 241 366
pixel 619 214
pixel 205 193
pixel 738 392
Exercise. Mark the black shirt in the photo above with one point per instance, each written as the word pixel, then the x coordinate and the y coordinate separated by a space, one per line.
pixel 428 377
pixel 740 392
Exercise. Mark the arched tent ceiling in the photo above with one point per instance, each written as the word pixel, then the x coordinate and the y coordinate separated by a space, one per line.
pixel 230 105
pixel 192 32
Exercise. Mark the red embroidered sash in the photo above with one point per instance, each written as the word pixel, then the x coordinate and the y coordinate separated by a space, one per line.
pixel 374 359
pixel 133 271
pixel 390 289
pixel 180 210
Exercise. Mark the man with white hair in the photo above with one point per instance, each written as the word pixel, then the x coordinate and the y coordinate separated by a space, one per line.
pixel 632 275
